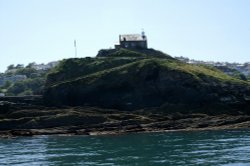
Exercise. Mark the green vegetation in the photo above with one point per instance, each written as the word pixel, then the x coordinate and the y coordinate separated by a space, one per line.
pixel 33 84
pixel 232 72
pixel 76 69
pixel 138 53
pixel 70 69
pixel 117 79
pixel 123 90
pixel 128 79
pixel 7 85
pixel 30 86
pixel 119 53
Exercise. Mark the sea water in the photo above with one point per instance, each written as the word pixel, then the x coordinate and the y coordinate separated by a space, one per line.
pixel 226 148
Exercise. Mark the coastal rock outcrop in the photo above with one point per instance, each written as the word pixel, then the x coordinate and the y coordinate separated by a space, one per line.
pixel 122 91
pixel 119 79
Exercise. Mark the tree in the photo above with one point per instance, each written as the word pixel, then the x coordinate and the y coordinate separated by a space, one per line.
pixel 26 92
pixel 17 88
pixel 36 85
pixel 26 71
pixel 19 66
pixel 10 67
pixel 243 77
pixel 7 84
pixel 30 65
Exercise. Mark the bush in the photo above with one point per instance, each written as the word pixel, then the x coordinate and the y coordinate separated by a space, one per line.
pixel 27 87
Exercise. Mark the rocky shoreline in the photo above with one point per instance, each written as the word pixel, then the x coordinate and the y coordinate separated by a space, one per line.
pixel 128 91
pixel 38 120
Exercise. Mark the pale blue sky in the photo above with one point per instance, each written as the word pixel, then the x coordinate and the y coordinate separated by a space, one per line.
pixel 44 30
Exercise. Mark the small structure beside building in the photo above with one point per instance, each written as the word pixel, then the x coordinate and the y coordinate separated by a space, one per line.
pixel 132 41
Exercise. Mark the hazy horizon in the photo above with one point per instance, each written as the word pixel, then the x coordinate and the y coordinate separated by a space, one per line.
pixel 42 31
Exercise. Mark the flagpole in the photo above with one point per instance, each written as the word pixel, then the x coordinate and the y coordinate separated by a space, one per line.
pixel 75 48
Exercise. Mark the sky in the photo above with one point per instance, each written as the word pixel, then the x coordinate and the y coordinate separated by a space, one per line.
pixel 42 31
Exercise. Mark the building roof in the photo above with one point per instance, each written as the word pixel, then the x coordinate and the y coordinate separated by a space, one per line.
pixel 132 37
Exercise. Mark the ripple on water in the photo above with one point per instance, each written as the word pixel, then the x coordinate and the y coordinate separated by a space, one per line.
pixel 226 148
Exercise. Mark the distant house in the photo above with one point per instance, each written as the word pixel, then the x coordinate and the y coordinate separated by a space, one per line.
pixel 132 41
pixel 44 66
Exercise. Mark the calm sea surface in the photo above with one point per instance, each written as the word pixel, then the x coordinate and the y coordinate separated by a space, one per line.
pixel 227 148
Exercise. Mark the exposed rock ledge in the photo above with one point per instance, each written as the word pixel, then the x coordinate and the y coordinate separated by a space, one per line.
pixel 96 121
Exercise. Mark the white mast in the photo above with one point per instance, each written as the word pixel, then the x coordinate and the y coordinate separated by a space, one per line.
pixel 75 48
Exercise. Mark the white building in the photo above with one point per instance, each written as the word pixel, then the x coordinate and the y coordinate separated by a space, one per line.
pixel 45 66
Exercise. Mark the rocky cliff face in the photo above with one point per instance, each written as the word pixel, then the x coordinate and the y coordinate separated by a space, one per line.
pixel 123 81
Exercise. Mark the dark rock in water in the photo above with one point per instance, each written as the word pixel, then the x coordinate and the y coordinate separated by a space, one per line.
pixel 21 133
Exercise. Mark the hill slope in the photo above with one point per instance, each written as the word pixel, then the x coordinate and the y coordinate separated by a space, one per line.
pixel 127 79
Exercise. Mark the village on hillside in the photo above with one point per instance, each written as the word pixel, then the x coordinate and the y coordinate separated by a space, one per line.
pixel 24 80
pixel 226 67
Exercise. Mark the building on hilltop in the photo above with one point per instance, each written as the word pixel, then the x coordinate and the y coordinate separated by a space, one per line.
pixel 132 41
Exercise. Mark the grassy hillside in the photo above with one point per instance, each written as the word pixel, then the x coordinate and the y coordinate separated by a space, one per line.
pixel 69 69
pixel 121 80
